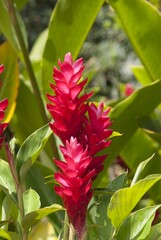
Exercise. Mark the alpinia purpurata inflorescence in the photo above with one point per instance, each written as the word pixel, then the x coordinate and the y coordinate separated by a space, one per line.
pixel 84 130
pixel 3 106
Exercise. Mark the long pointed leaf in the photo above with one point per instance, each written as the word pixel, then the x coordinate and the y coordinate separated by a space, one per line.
pixel 142 23
pixel 69 25
pixel 140 169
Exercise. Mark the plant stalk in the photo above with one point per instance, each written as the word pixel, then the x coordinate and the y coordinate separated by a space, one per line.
pixel 18 187
pixel 22 212
pixel 66 227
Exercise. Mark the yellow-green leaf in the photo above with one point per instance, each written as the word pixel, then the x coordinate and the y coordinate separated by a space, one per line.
pixel 9 235
pixel 44 230
pixel 142 23
pixel 137 226
pixel 9 78
pixel 124 200
pixel 33 217
pixel 69 25
pixel 31 201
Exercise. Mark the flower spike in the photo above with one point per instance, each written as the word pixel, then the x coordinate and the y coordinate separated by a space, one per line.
pixel 84 131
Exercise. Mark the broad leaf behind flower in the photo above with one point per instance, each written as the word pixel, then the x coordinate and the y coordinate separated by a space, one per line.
pixel 31 149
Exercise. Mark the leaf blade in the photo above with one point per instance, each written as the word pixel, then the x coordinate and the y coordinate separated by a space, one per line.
pixel 31 148
pixel 31 201
pixel 137 225
pixel 33 217
pixel 68 28
pixel 145 36
pixel 124 200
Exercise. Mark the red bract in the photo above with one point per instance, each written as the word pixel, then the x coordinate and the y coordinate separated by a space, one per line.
pixel 67 108
pixel 75 184
pixel 83 129
pixel 1 68
pixel 3 106
pixel 95 134
pixel 129 89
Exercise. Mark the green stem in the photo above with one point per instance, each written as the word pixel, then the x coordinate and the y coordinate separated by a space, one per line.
pixel 22 212
pixel 18 187
pixel 30 69
pixel 66 227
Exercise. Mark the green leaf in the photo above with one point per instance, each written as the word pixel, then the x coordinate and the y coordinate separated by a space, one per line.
pixel 9 78
pixel 103 223
pixel 20 3
pixel 143 30
pixel 6 25
pixel 141 75
pixel 127 111
pixel 92 228
pixel 145 142
pixel 9 235
pixel 31 201
pixel 6 179
pixel 31 149
pixel 26 122
pixel 33 217
pixel 68 28
pixel 35 179
pixel 140 169
pixel 156 3
pixel 43 230
pixel 151 126
pixel 5 222
pixel 118 183
pixel 133 160
pixel 98 210
pixel 9 210
pixel 37 50
pixel 137 226
pixel 50 179
pixel 12 145
pixel 154 135
pixel 124 200
pixel 155 233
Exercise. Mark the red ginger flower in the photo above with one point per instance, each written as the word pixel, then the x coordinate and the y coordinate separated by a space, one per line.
pixel 75 184
pixel 129 89
pixel 67 109
pixel 3 106
pixel 83 131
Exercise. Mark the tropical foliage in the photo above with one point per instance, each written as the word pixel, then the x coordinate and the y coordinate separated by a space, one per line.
pixel 79 195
